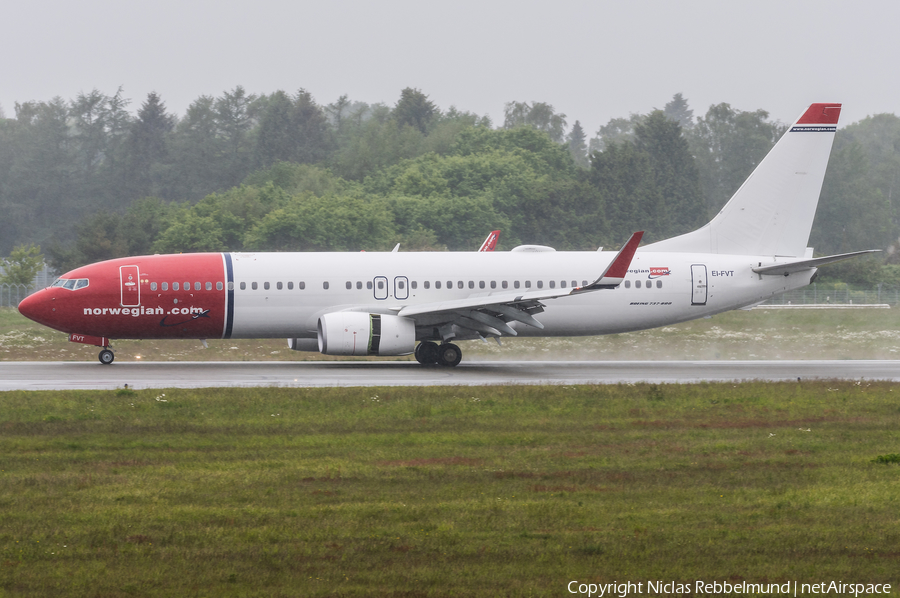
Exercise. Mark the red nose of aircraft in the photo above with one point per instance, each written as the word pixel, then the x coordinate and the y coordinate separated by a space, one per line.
pixel 37 307
pixel 30 306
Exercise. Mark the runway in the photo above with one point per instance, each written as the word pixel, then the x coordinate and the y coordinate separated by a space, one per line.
pixel 92 375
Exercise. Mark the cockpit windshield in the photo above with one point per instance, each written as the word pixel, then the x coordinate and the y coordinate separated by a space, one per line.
pixel 73 284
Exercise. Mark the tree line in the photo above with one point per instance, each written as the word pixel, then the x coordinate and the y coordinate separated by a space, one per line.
pixel 88 180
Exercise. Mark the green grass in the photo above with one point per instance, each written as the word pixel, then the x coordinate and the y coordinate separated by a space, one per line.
pixel 445 491
pixel 757 334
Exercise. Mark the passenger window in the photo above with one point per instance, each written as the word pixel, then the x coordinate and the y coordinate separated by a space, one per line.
pixel 427 284
pixel 175 286
pixel 165 286
pixel 413 284
pixel 516 284
pixel 450 284
pixel 266 286
pixel 325 285
pixel 480 284
pixel 349 285
pixel 254 286
pixel 540 284
pixel 575 283
pixel 658 284
pixel 552 284
pixel 627 284
pixel 527 284
pixel 471 284
pixel 230 285
pixel 290 285
pixel 219 286
pixel 369 285
pixel 504 284
pixel 637 284
pixel 380 285
pixel 359 284
pixel 562 284
pixel 243 286
pixel 197 286
pixel 437 284
pixel 152 286
pixel 301 285
pixel 187 286
pixel 279 286
pixel 460 284
pixel 584 283
pixel 401 285
pixel 493 284
pixel 209 286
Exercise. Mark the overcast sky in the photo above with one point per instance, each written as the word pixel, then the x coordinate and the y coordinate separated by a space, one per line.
pixel 592 60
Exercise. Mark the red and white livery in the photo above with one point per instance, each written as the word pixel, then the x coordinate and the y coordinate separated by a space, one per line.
pixel 373 303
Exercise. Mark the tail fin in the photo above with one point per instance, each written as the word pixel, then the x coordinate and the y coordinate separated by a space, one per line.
pixel 772 212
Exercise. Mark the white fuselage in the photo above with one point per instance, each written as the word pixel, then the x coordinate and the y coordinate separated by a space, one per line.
pixel 674 287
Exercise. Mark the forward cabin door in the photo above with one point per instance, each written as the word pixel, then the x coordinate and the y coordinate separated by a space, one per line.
pixel 699 284
pixel 130 281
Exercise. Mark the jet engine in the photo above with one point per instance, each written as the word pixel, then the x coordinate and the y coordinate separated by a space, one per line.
pixel 357 333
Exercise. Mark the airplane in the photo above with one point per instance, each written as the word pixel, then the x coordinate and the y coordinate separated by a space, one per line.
pixel 423 303
pixel 490 243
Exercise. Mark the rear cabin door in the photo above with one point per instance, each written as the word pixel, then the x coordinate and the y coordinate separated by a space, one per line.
pixel 129 277
pixel 401 287
pixel 698 284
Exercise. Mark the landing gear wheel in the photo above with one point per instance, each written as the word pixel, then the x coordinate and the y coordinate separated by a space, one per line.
pixel 449 355
pixel 427 353
pixel 106 357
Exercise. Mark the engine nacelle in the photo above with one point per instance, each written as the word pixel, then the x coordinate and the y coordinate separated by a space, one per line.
pixel 357 333
pixel 303 344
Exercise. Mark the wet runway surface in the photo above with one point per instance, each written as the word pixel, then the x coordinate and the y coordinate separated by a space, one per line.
pixel 92 375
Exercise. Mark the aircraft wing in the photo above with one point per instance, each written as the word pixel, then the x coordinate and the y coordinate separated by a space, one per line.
pixel 490 314
pixel 783 269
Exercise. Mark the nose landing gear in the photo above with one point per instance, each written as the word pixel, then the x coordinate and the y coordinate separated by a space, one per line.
pixel 106 356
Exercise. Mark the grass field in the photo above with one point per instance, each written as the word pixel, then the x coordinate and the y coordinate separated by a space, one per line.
pixel 510 491
pixel 757 334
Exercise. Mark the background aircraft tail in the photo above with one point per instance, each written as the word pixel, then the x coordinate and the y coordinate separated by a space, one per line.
pixel 772 212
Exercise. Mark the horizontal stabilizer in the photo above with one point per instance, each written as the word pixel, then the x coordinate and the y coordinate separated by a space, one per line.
pixel 791 267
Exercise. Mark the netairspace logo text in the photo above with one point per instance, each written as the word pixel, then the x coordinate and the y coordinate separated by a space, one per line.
pixel 718 588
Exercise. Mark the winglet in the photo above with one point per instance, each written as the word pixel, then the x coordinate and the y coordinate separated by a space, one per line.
pixel 618 268
pixel 491 242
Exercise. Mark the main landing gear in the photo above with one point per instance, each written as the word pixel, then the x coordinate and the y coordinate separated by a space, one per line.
pixel 429 353
pixel 106 356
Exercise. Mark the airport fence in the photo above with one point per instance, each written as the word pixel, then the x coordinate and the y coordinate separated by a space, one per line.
pixel 12 294
pixel 838 294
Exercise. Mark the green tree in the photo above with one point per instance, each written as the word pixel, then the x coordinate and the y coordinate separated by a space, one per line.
pixel 292 129
pixel 236 113
pixel 728 144
pixel 539 115
pixel 852 214
pixel 578 146
pixel 675 174
pixel 146 160
pixel 624 177
pixel 333 223
pixel 22 265
pixel 677 110
pixel 415 110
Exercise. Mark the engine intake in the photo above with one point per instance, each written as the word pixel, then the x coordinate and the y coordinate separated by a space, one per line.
pixel 356 333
